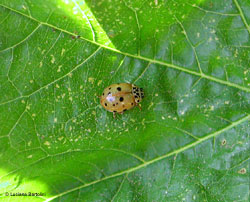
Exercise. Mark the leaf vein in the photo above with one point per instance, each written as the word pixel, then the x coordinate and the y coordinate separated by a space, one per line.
pixel 242 15
pixel 58 79
pixel 119 188
pixel 22 41
pixel 175 152
pixel 190 43
pixel 227 83
pixel 213 12
pixel 84 15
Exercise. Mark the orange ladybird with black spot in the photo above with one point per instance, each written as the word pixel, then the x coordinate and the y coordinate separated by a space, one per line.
pixel 120 97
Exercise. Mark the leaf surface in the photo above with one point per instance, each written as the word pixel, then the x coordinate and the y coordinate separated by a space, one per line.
pixel 190 142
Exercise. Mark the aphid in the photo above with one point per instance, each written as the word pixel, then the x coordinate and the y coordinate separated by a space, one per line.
pixel 119 97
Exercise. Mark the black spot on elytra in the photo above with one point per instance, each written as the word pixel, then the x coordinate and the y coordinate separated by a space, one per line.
pixel 134 87
pixel 119 88
pixel 103 94
pixel 109 88
pixel 106 104
pixel 121 99
pixel 109 93
pixel 113 104
pixel 132 103
pixel 117 103
pixel 136 96
pixel 114 111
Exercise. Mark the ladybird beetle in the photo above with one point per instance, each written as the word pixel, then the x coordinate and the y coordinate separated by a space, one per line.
pixel 120 97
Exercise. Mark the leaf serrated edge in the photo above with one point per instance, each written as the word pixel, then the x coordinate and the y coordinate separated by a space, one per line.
pixel 214 134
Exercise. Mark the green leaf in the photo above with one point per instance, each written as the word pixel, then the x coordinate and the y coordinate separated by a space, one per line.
pixel 190 141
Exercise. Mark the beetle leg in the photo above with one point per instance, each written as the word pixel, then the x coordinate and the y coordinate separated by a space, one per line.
pixel 114 115
pixel 138 105
pixel 120 112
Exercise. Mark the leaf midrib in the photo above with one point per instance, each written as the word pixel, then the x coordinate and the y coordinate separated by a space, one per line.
pixel 146 163
pixel 201 75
